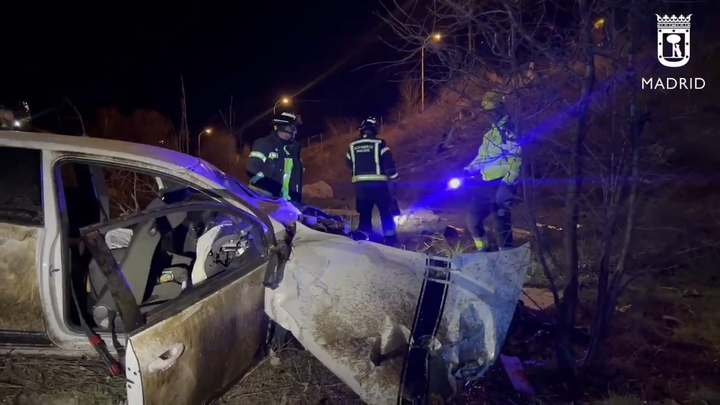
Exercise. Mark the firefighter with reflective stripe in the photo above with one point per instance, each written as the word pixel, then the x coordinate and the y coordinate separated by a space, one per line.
pixel 498 163
pixel 372 166
pixel 275 168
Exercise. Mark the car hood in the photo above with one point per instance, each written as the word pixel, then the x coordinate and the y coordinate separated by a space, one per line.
pixel 382 318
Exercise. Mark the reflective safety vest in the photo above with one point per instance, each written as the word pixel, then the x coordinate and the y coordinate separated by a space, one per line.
pixel 498 156
pixel 370 159
pixel 275 168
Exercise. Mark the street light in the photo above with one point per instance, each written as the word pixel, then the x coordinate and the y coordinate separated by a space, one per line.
pixel 283 100
pixel 435 37
pixel 204 131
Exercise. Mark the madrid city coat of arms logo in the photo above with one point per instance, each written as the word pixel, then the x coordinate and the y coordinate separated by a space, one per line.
pixel 673 40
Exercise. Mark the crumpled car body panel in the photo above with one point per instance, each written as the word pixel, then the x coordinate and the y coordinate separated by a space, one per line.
pixel 355 305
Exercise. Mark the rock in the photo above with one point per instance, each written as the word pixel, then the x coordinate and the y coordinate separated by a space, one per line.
pixel 537 298
pixel 319 190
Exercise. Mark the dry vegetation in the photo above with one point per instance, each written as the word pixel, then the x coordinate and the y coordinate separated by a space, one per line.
pixel 290 376
pixel 35 380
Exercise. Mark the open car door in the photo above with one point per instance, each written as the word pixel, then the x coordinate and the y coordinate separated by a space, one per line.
pixel 193 313
pixel 396 325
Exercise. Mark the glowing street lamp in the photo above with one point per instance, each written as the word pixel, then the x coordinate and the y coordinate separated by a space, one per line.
pixel 283 100
pixel 204 131
pixel 435 37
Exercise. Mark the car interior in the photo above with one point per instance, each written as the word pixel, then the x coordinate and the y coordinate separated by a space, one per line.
pixel 161 256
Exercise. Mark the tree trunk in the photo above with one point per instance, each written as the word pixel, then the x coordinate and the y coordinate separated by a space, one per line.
pixel 594 357
pixel 609 294
pixel 568 307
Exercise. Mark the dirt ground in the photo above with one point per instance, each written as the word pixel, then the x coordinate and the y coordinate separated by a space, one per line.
pixel 665 348
pixel 31 380
pixel 291 376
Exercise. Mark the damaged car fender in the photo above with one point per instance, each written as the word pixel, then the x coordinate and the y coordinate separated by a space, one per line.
pixel 394 324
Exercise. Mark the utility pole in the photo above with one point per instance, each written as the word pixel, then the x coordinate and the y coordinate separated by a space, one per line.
pixel 436 37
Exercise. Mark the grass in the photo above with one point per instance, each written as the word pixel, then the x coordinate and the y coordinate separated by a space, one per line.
pixel 437 244
pixel 38 380
pixel 665 344
pixel 618 399
pixel 290 376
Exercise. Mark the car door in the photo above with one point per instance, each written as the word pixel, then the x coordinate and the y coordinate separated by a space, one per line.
pixel 190 347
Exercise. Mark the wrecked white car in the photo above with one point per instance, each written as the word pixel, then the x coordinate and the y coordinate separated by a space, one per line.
pixel 172 273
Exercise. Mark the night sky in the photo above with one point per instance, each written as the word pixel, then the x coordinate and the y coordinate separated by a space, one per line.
pixel 131 55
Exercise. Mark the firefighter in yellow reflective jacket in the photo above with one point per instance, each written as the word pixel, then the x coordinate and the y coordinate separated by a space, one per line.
pixel 498 163
pixel 275 168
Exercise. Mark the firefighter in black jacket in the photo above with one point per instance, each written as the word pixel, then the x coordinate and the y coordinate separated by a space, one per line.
pixel 372 167
pixel 275 168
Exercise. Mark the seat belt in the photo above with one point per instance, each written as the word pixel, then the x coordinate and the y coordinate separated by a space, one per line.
pixel 113 335
pixel 95 340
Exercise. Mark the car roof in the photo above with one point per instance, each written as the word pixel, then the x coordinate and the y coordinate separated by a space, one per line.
pixel 99 146
pixel 280 211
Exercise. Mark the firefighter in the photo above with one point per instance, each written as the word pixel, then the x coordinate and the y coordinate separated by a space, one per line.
pixel 498 162
pixel 372 166
pixel 275 168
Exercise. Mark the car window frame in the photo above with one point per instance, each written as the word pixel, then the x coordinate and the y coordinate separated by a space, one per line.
pixel 219 195
pixel 195 294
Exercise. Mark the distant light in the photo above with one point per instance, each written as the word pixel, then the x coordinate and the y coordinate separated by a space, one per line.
pixel 599 23
pixel 208 130
pixel 285 100
pixel 454 184
pixel 437 36
pixel 17 124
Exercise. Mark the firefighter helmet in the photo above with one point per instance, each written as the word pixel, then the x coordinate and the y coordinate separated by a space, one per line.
pixel 368 126
pixel 287 121
pixel 492 100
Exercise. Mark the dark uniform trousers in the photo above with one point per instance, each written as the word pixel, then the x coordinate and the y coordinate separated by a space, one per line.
pixel 370 194
pixel 485 202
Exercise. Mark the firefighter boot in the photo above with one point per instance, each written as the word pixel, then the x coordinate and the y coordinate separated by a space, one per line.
pixel 481 244
pixel 392 240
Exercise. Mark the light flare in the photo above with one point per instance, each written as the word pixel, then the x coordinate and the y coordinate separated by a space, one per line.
pixel 454 184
